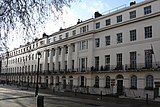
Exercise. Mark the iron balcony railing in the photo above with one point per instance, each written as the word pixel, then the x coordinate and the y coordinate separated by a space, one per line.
pixel 109 68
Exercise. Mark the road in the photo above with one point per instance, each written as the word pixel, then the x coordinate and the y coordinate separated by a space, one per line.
pixel 10 97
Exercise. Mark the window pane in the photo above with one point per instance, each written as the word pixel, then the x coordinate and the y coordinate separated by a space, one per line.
pixel 147 10
pixel 132 35
pixel 148 32
pixel 107 40
pixel 119 38
pixel 119 18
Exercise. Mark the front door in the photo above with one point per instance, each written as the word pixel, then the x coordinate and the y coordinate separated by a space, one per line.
pixel 71 84
pixel 120 87
pixel 64 84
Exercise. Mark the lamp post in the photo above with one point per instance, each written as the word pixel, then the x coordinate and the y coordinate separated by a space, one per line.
pixel 7 56
pixel 39 55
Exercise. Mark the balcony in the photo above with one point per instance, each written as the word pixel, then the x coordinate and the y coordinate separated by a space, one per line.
pixel 108 68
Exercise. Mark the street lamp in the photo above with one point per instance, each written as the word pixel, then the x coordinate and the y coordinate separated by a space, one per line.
pixel 7 56
pixel 39 55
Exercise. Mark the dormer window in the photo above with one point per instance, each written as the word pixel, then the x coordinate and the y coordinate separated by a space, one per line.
pixel 119 18
pixel 74 32
pixel 67 34
pixel 98 25
pixel 41 42
pixel 54 39
pixel 60 37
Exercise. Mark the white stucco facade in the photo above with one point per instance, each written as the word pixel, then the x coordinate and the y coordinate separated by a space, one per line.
pixel 105 53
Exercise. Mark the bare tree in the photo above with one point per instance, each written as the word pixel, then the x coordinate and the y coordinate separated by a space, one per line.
pixel 27 15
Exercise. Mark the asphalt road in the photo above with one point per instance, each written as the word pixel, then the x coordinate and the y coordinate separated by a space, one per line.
pixel 14 97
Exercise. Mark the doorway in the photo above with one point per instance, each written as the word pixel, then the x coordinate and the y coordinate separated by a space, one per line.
pixel 120 87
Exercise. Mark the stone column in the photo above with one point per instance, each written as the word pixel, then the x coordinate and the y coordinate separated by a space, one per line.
pixel 45 61
pixel 76 55
pixel 90 53
pixel 56 59
pixel 51 61
pixel 62 57
pixel 69 57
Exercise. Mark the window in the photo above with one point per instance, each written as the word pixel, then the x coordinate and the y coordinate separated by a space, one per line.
pixel 133 82
pixel 83 45
pixel 147 10
pixel 108 81
pixel 26 59
pixel 148 58
pixel 74 32
pixel 66 49
pixel 148 32
pixel 72 64
pixel 32 68
pixel 60 37
pixel 67 34
pixel 59 50
pixel 132 14
pixel 53 66
pixel 54 39
pixel 133 60
pixel 48 66
pixel 97 42
pixel 119 18
pixel 49 40
pixel 149 82
pixel 41 42
pixel 97 63
pixel 132 35
pixel 65 65
pixel 84 29
pixel 59 66
pixel 119 61
pixel 107 62
pixel 97 25
pixel 29 57
pixel 48 53
pixel 96 85
pixel 82 81
pixel 73 47
pixel 107 40
pixel 119 38
pixel 82 64
pixel 36 45
pixel 108 22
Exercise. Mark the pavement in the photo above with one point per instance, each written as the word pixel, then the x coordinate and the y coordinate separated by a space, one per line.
pixel 94 100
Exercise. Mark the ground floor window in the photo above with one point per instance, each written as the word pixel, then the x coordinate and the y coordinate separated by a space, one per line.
pixel 96 82
pixel 149 82
pixel 108 81
pixel 134 82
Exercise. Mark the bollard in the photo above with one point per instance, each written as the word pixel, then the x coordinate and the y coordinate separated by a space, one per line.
pixel 147 98
pixel 101 95
pixel 40 101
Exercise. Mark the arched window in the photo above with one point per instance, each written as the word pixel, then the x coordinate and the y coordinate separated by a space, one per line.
pixel 96 82
pixel 149 82
pixel 134 82
pixel 108 81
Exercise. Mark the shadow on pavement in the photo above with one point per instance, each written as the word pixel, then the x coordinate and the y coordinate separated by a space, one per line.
pixel 16 98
